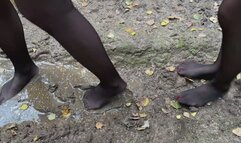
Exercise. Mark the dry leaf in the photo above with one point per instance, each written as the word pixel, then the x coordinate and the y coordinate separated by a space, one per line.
pixel 175 104
pixel 213 19
pixel 150 71
pixel 145 102
pixel 36 138
pixel 178 117
pixel 174 18
pixel 51 116
pixel 165 111
pixel 142 115
pixel 66 112
pixel 145 126
pixel 128 104
pixel 237 132
pixel 186 114
pixel 130 31
pixel 238 76
pixel 111 35
pixel 171 68
pixel 99 125
pixel 194 114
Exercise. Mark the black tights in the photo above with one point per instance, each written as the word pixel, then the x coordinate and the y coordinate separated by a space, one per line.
pixel 66 24
pixel 227 66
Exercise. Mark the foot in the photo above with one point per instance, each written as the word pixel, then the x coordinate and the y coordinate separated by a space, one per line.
pixel 200 96
pixel 194 70
pixel 101 95
pixel 17 83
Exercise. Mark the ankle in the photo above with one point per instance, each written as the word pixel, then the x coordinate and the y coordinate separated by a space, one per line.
pixel 115 83
pixel 224 87
pixel 28 70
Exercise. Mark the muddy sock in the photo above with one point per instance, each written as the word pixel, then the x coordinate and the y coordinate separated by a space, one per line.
pixel 13 44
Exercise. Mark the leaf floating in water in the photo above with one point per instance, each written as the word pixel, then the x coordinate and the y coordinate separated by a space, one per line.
pixel 237 132
pixel 99 125
pixel 175 104
pixel 51 116
pixel 24 106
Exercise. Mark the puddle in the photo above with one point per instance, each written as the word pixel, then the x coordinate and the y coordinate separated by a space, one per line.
pixel 56 87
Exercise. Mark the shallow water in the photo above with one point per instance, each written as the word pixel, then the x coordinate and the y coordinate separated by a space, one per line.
pixel 45 94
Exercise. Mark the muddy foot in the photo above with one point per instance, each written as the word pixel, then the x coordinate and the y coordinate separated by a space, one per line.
pixel 17 83
pixel 99 96
pixel 200 96
pixel 195 70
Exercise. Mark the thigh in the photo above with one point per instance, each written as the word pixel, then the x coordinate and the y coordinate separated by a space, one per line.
pixel 48 8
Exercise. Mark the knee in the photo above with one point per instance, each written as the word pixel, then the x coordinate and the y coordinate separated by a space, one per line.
pixel 229 11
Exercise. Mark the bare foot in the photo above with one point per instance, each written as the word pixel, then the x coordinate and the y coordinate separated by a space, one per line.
pixel 17 83
pixel 101 95
pixel 201 95
pixel 195 70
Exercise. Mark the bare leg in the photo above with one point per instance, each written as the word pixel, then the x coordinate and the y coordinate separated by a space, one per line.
pixel 13 44
pixel 230 64
pixel 61 20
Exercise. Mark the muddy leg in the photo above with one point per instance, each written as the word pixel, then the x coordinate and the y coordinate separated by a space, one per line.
pixel 66 24
pixel 13 44
pixel 230 64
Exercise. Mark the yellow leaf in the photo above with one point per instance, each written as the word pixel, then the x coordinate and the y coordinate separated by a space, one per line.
pixel 193 29
pixel 149 71
pixel 24 106
pixel 171 68
pixel 149 12
pixel 178 117
pixel 99 125
pixel 130 31
pixel 194 114
pixel 165 22
pixel 145 102
pixel 66 112
pixel 142 115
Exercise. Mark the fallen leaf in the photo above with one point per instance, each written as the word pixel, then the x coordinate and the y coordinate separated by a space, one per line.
pixel 149 12
pixel 99 125
pixel 165 22
pixel 128 2
pixel 175 104
pixel 128 104
pixel 111 35
pixel 171 68
pixel 34 50
pixel 213 19
pixel 24 106
pixel 188 79
pixel 165 111
pixel 66 112
pixel 130 31
pixel 51 116
pixel 36 138
pixel 178 117
pixel 12 126
pixel 144 126
pixel 186 114
pixel 194 114
pixel 174 18
pixel 193 29
pixel 237 132
pixel 142 115
pixel 150 71
pixel 145 102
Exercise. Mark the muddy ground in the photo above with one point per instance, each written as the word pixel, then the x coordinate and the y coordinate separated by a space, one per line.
pixel 62 79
